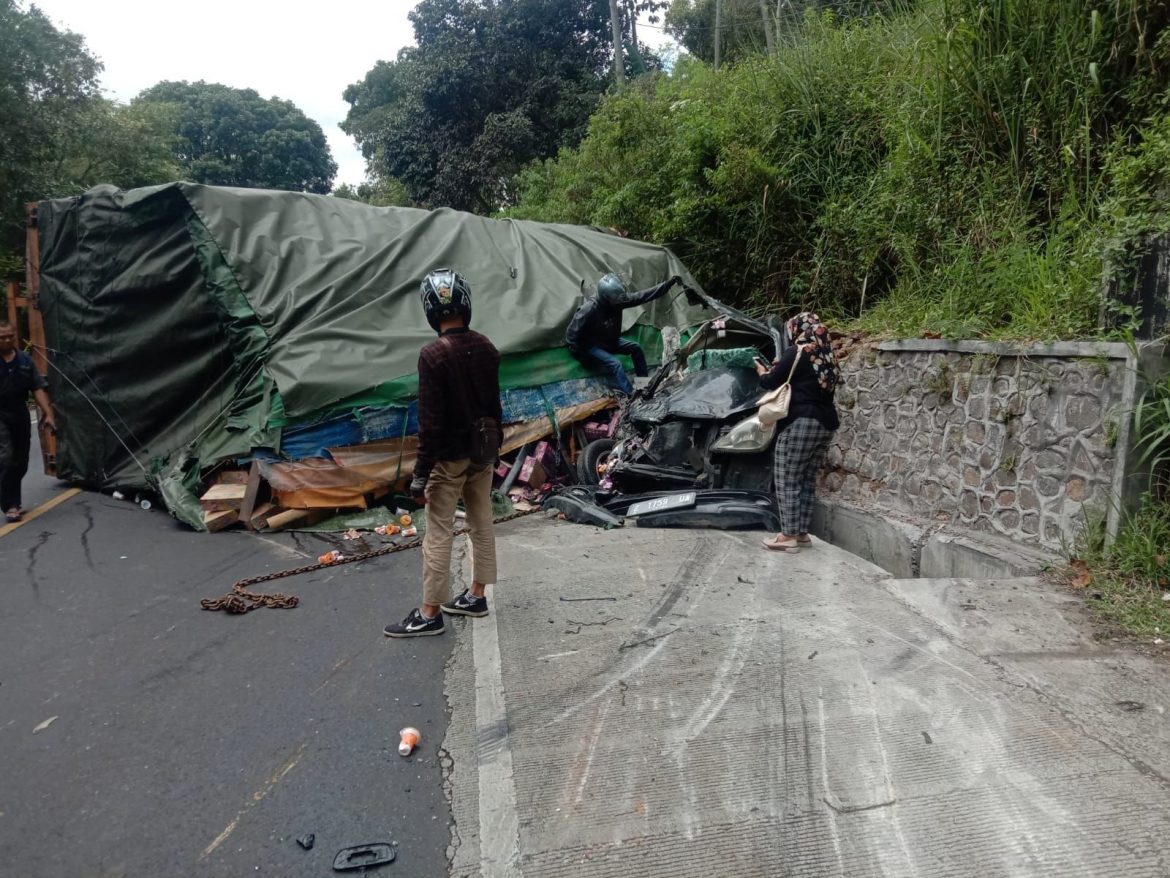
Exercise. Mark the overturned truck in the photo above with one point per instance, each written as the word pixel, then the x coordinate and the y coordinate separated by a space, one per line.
pixel 187 326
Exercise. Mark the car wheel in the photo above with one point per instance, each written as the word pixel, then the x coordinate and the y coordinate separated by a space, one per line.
pixel 590 457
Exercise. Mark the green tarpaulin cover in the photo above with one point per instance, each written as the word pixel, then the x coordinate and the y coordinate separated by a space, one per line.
pixel 188 323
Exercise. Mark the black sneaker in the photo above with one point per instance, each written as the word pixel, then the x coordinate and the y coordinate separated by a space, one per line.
pixel 466 604
pixel 415 625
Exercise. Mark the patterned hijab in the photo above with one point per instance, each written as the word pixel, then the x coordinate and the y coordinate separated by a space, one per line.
pixel 807 332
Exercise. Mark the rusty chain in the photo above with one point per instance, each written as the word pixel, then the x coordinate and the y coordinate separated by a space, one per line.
pixel 237 602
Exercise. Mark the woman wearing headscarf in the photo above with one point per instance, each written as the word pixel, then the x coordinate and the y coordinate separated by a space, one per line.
pixel 803 437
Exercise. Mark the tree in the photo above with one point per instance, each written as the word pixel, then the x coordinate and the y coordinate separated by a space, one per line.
pixel 390 193
pixel 48 84
pixel 233 137
pixel 488 88
pixel 127 146
pixel 741 28
pixel 754 26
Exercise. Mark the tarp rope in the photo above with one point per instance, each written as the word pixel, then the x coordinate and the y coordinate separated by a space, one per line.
pixel 102 417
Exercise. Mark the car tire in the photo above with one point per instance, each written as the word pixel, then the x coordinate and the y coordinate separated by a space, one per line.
pixel 591 455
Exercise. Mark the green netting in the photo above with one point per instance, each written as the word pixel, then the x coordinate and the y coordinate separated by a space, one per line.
pixel 714 359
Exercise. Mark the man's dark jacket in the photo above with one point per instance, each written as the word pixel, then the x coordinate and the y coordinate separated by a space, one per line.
pixel 598 321
pixel 458 381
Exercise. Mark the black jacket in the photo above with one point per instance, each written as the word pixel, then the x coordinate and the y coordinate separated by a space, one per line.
pixel 598 322
pixel 809 399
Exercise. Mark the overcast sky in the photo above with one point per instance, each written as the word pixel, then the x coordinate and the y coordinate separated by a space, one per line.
pixel 306 55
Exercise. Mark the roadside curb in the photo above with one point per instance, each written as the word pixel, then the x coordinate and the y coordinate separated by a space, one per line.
pixel 910 548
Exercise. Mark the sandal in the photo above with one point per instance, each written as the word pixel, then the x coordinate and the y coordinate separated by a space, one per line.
pixel 14 514
pixel 782 545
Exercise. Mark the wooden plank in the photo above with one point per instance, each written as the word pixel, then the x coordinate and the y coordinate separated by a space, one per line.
pixel 217 498
pixel 217 521
pixel 36 324
pixel 289 516
pixel 232 477
pixel 258 520
pixel 251 492
pixel 32 265
pixel 13 290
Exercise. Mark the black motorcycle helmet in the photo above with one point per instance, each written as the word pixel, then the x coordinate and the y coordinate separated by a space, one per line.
pixel 610 288
pixel 444 294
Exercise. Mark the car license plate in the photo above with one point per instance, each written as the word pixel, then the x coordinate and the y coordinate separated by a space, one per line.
pixel 660 504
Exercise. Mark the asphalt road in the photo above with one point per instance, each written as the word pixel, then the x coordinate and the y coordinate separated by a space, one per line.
pixel 141 735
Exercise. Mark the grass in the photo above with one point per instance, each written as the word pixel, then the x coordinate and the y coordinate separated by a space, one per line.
pixel 1130 576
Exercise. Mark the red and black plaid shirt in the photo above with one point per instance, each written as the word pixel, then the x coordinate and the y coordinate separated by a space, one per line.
pixel 445 414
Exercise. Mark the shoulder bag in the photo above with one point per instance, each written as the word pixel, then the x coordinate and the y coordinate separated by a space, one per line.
pixel 774 403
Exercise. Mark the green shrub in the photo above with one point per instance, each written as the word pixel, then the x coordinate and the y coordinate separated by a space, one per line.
pixel 962 167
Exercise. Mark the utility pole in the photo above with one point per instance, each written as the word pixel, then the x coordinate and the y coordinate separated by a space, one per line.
pixel 615 21
pixel 718 29
pixel 767 20
pixel 781 6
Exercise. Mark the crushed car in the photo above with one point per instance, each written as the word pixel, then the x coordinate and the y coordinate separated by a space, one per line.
pixel 689 443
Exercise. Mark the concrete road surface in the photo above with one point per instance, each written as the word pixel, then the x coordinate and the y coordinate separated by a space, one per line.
pixel 640 702
pixel 685 703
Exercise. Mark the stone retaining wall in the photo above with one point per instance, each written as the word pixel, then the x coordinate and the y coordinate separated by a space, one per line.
pixel 1020 441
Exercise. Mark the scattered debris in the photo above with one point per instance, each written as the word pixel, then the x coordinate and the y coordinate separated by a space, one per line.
pixel 577 505
pixel 567 600
pixel 581 625
pixel 352 534
pixel 217 521
pixel 40 727
pixel 1081 575
pixel 222 497
pixel 625 646
pixel 306 841
pixel 1131 706
pixel 408 741
pixel 813 655
pixel 968 606
pixel 843 808
pixel 364 857
pixel 926 737
pixel 744 581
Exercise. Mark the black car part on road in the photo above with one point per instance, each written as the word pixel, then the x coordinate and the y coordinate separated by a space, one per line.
pixel 715 509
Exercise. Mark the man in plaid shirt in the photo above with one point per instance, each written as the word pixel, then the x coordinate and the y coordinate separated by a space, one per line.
pixel 458 387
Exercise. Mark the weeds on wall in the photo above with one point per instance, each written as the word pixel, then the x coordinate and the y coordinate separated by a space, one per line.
pixel 1130 576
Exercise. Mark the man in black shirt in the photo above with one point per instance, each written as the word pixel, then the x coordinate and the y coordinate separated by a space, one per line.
pixel 18 378
pixel 458 407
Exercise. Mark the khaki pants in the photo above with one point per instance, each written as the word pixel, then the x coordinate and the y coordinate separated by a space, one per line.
pixel 447 483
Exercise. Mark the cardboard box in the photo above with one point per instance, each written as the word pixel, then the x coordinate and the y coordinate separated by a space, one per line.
pixel 601 429
pixel 547 456
pixel 532 472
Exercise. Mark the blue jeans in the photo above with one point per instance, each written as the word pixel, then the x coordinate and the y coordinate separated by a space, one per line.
pixel 597 356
